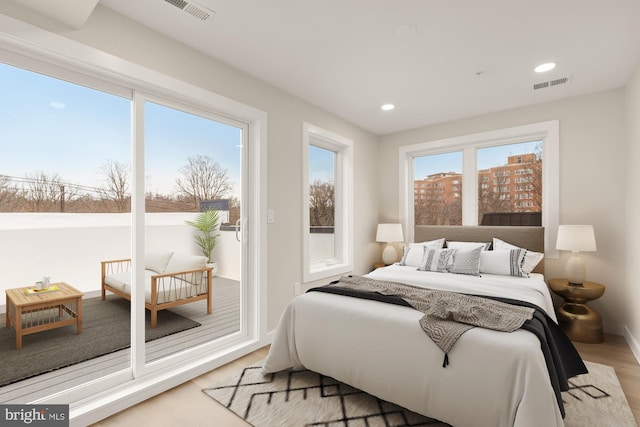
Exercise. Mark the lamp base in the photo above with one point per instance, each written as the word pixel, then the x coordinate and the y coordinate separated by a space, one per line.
pixel 389 254
pixel 575 270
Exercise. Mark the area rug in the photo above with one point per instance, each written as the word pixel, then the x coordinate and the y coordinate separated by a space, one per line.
pixel 106 327
pixel 306 398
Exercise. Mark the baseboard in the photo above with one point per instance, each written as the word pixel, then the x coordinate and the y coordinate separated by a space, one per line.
pixel 633 343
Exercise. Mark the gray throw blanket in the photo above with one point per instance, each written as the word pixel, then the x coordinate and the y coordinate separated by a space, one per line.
pixel 447 315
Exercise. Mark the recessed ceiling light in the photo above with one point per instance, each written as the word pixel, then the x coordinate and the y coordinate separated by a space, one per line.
pixel 543 68
pixel 406 30
pixel 388 107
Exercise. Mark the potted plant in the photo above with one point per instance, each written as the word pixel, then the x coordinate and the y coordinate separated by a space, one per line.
pixel 207 223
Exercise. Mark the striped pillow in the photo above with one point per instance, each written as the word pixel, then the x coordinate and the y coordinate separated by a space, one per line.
pixel 506 262
pixel 436 260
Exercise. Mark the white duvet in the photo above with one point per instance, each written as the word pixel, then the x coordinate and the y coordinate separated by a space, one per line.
pixel 493 379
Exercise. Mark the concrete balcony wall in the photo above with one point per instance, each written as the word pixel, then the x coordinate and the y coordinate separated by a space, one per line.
pixel 69 247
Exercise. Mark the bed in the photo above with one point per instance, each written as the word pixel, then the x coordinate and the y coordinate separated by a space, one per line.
pixel 493 378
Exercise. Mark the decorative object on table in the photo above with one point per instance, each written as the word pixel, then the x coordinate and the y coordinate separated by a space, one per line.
pixel 36 290
pixel 389 233
pixel 206 223
pixel 576 238
pixel 579 321
pixel 593 400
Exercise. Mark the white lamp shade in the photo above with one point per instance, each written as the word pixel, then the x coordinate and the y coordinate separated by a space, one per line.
pixel 389 233
pixel 576 238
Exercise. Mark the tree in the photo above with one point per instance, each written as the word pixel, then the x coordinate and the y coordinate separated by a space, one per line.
pixel 234 210
pixel 203 179
pixel 8 199
pixel 321 203
pixel 116 187
pixel 45 193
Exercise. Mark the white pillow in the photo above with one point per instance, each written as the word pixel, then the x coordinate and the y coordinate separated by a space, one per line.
pixel 506 262
pixel 185 262
pixel 435 244
pixel 156 260
pixel 530 260
pixel 468 245
pixel 413 254
pixel 466 261
pixel 436 260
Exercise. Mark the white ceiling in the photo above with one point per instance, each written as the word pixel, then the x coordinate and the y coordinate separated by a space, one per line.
pixel 466 57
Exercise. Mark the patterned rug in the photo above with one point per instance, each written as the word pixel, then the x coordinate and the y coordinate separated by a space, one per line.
pixel 306 398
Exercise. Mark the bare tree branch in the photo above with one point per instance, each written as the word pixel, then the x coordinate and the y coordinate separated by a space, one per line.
pixel 203 179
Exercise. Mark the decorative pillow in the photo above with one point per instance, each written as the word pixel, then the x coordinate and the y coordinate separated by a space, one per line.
pixel 435 244
pixel 466 261
pixel 436 260
pixel 156 260
pixel 413 254
pixel 531 259
pixel 185 262
pixel 468 245
pixel 505 262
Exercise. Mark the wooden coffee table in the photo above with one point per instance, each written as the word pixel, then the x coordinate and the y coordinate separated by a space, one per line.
pixel 36 312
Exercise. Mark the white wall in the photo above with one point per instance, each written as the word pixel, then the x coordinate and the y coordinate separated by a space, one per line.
pixel 69 247
pixel 107 31
pixel 593 159
pixel 632 233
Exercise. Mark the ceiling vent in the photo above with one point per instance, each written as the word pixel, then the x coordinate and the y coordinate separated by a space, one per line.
pixel 550 83
pixel 193 9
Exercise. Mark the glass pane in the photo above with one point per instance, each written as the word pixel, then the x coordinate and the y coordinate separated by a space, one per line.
pixel 64 208
pixel 437 189
pixel 510 184
pixel 322 250
pixel 193 201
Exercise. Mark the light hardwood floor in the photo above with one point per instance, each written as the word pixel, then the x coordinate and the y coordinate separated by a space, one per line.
pixel 187 405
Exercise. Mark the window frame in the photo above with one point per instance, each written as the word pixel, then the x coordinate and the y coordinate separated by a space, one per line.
pixel 548 132
pixel 48 53
pixel 343 190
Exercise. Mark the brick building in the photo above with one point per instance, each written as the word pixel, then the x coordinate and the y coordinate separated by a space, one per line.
pixel 513 187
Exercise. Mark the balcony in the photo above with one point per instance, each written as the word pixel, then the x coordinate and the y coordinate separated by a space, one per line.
pixel 69 248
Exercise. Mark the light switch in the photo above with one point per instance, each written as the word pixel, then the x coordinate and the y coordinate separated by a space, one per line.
pixel 271 216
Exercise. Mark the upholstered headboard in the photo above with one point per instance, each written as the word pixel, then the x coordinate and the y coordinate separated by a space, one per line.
pixel 531 238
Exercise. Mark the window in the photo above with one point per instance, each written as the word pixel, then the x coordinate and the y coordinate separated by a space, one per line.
pixel 441 173
pixel 327 203
pixel 539 178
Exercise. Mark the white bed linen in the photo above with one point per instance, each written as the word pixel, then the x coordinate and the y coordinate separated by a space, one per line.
pixel 494 379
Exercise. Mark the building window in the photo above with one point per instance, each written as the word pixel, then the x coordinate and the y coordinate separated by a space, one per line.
pixel 541 141
pixel 328 202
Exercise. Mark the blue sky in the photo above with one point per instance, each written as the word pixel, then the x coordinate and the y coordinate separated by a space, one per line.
pixel 57 127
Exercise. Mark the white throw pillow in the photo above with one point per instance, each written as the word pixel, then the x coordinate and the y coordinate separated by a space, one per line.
pixel 156 260
pixel 185 262
pixel 436 260
pixel 531 259
pixel 435 244
pixel 466 261
pixel 506 262
pixel 413 254
pixel 465 246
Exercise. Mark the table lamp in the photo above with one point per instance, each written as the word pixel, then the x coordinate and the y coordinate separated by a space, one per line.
pixel 389 233
pixel 576 238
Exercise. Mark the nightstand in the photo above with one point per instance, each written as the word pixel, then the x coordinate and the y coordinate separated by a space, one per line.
pixel 379 265
pixel 579 321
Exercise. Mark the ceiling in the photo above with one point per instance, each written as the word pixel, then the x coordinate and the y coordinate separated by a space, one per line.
pixel 436 60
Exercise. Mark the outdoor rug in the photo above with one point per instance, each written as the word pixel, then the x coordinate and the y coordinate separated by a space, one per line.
pixel 594 400
pixel 105 329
